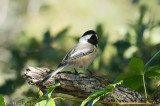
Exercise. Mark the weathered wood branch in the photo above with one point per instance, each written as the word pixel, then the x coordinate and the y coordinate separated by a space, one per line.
pixel 80 85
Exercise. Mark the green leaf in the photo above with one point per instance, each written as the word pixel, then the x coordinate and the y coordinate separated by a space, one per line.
pixel 153 72
pixel 124 76
pixel 92 96
pixel 40 93
pixel 95 96
pixel 94 100
pixel 133 82
pixel 112 86
pixel 137 65
pixel 48 102
pixel 154 68
pixel 49 92
pixel 42 103
pixel 2 101
pixel 41 98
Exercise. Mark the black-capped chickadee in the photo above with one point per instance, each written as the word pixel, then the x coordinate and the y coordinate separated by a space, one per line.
pixel 80 56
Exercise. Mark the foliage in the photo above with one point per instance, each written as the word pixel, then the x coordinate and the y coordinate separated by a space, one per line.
pixel 44 100
pixel 95 96
pixel 2 101
pixel 30 49
pixel 153 72
pixel 102 43
pixel 139 71
pixel 48 50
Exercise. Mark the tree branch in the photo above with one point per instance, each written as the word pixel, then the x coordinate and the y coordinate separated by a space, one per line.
pixel 80 85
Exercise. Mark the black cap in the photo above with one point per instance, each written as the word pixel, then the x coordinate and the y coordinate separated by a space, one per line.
pixel 89 32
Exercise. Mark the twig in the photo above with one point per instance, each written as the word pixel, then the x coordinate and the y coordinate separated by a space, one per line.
pixel 104 102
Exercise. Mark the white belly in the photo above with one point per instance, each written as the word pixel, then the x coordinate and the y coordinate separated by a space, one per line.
pixel 85 61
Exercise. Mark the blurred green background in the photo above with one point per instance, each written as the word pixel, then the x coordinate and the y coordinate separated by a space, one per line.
pixel 40 32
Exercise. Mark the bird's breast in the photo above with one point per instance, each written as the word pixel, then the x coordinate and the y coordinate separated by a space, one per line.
pixel 85 61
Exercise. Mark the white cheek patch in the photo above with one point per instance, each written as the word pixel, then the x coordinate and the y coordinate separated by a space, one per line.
pixel 84 39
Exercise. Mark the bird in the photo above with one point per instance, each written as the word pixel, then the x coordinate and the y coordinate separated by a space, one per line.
pixel 81 56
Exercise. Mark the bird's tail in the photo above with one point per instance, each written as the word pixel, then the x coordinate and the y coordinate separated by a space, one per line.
pixel 52 74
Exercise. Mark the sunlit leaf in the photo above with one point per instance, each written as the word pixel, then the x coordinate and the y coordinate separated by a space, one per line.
pixel 112 86
pixel 48 102
pixel 40 93
pixel 42 103
pixel 49 92
pixel 2 101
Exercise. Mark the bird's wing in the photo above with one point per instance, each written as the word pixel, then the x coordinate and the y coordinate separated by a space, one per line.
pixel 78 51
pixel 81 53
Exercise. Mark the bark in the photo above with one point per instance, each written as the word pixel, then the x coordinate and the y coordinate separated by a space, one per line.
pixel 80 85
